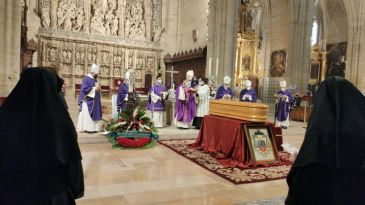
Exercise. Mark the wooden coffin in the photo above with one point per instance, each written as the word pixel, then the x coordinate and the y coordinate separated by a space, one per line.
pixel 253 112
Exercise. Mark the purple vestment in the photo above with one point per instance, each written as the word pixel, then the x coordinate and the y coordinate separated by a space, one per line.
pixel 248 92
pixel 122 93
pixel 283 106
pixel 159 105
pixel 93 104
pixel 222 91
pixel 185 109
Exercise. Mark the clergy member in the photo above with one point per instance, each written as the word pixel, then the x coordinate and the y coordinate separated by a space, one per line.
pixel 248 94
pixel 224 91
pixel 283 103
pixel 202 93
pixel 89 102
pixel 185 107
pixel 157 102
pixel 122 98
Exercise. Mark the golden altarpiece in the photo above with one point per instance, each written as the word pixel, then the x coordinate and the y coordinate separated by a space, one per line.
pixel 248 46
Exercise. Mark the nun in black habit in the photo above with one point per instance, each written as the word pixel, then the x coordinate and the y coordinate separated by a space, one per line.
pixel 330 166
pixel 40 160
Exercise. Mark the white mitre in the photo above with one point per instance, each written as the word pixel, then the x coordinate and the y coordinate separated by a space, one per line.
pixel 95 68
pixel 227 80
pixel 248 84
pixel 282 84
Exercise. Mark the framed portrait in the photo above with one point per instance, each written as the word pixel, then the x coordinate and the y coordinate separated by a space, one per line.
pixel 278 63
pixel 261 143
pixel 314 71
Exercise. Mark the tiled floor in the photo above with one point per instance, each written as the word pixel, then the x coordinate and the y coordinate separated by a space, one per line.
pixel 160 176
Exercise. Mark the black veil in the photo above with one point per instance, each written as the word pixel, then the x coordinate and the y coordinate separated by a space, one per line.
pixel 335 134
pixel 32 117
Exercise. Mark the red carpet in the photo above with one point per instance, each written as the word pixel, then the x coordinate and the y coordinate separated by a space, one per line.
pixel 233 174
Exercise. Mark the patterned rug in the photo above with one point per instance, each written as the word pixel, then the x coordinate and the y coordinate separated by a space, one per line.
pixel 274 201
pixel 233 174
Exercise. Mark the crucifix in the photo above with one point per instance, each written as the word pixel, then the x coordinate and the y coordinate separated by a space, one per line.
pixel 172 76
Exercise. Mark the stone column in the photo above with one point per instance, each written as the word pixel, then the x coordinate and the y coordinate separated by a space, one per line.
pixel 53 9
pixel 222 32
pixel 299 59
pixel 10 32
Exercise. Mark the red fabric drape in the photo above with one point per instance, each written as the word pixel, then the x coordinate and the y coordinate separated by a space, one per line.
pixel 225 139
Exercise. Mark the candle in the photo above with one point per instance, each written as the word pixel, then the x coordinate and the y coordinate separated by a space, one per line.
pixel 216 69
pixel 172 77
pixel 135 59
pixel 210 66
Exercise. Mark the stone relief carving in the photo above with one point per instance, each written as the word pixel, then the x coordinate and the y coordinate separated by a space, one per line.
pixel 79 70
pixel 117 59
pixel 97 23
pixel 139 62
pixel 132 19
pixel 135 25
pixel 80 55
pixel 68 43
pixel 158 32
pixel 150 63
pixel 116 72
pixel 45 14
pixel 130 59
pixel 105 57
pixel 156 20
pixel 91 55
pixel 52 54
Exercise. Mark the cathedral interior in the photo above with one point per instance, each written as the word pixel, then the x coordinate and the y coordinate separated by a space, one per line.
pixel 264 41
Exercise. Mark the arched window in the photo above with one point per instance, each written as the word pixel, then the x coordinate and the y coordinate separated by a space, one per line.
pixel 315 32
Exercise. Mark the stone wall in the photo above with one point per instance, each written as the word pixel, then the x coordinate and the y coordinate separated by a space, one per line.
pixel 336 23
pixel 280 25
pixel 10 32
pixel 193 32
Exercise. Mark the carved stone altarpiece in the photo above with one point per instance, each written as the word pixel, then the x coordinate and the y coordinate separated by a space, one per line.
pixel 117 34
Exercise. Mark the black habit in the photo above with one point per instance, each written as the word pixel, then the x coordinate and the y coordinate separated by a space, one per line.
pixel 330 168
pixel 40 160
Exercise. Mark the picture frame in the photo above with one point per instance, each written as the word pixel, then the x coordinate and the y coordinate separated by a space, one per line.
pixel 278 63
pixel 261 143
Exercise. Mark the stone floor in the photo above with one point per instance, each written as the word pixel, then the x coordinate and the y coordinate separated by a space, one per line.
pixel 159 176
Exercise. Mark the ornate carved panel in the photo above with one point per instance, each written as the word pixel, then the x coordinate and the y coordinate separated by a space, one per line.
pixel 117 34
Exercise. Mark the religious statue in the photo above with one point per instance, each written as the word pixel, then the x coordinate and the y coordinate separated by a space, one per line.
pixel 135 26
pixel 115 26
pixel 45 17
pixel 97 22
pixel 246 61
pixel 79 22
pixel 66 13
pixel 158 33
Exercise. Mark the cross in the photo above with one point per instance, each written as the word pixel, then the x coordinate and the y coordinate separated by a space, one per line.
pixel 172 76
